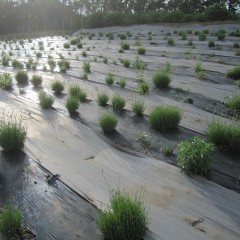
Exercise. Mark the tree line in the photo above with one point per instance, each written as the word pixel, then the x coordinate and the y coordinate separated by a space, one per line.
pixel 25 16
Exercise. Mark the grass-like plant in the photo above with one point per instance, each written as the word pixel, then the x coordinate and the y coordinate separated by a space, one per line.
pixel 21 77
pixel 125 46
pixel 72 104
pixel 236 45
pixel 108 122
pixel 165 117
pixel 122 82
pixel 167 150
pixel 233 103
pixel 202 37
pixel 45 100
pixel 36 80
pixel 118 103
pixel 102 99
pixel 105 60
pixel 144 140
pixel 38 54
pixel 237 52
pixel 141 50
pixel 143 88
pixel 17 64
pixel 139 64
pixel 138 107
pixel 194 156
pixel 86 67
pixel 77 92
pixel 234 72
pixel 57 87
pixel 52 64
pixel 199 70
pixel 170 42
pixel 126 63
pixel 5 60
pixel 64 65
pixel 161 79
pixel 10 222
pixel 66 45
pixel 125 218
pixel 5 81
pixel 211 43
pixel 109 79
pixel 224 135
pixel 79 45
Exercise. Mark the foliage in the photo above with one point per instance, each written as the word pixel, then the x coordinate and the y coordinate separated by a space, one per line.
pixel 211 43
pixel 77 92
pixel 5 60
pixel 118 103
pixel 108 122
pixel 64 65
pixel 143 88
pixel 109 79
pixel 5 81
pixel 21 77
pixel 139 64
pixel 141 50
pixel 52 64
pixel 201 36
pixel 102 99
pixel 126 63
pixel 125 46
pixel 17 64
pixel 237 52
pixel 199 70
pixel 165 117
pixel 125 218
pixel 224 135
pixel 138 107
pixel 194 156
pixel 45 100
pixel 36 80
pixel 72 104
pixel 234 72
pixel 144 140
pixel 233 103
pixel 122 82
pixel 12 133
pixel 170 42
pixel 86 67
pixel 161 79
pixel 57 86
pixel 167 151
pixel 66 45
pixel 10 222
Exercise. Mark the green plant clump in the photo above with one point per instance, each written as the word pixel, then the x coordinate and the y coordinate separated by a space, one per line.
pixel 211 43
pixel 57 86
pixel 108 122
pixel 167 151
pixel 125 46
pixel 52 64
pixel 45 100
pixel 161 79
pixel 86 67
pixel 199 70
pixel 66 45
pixel 126 63
pixel 21 77
pixel 122 82
pixel 17 64
pixel 102 99
pixel 72 104
pixel 77 92
pixel 109 79
pixel 126 217
pixel 118 103
pixel 36 80
pixel 233 103
pixel 143 88
pixel 224 135
pixel 194 156
pixel 170 42
pixel 234 72
pixel 6 81
pixel 201 37
pixel 165 117
pixel 138 108
pixel 141 50
pixel 10 222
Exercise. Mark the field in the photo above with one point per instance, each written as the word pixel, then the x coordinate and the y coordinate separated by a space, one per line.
pixel 196 58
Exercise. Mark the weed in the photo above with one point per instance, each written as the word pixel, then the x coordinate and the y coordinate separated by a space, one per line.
pixel 102 99
pixel 224 135
pixel 66 45
pixel 126 217
pixel 84 53
pixel 143 88
pixel 38 55
pixel 237 83
pixel 144 140
pixel 12 133
pixel 161 79
pixel 57 86
pixel 125 46
pixel 36 80
pixel 194 156
pixel 5 81
pixel 72 104
pixel 86 67
pixel 126 63
pixel 52 64
pixel 202 37
pixel 108 122
pixel 139 64
pixel 211 43
pixel 199 70
pixel 122 82
pixel 10 222
pixel 165 117
pixel 141 50
pixel 118 103
pixel 237 52
pixel 5 60
pixel 138 107
pixel 170 42
pixel 21 77
pixel 45 100
pixel 167 151
pixel 234 72
pixel 109 79
pixel 79 45
pixel 233 103
pixel 236 45
pixel 16 64
pixel 105 60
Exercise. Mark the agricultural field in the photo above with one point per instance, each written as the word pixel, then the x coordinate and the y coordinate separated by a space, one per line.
pixel 132 107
